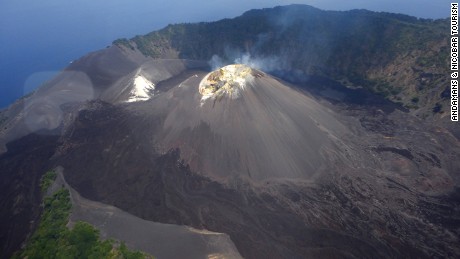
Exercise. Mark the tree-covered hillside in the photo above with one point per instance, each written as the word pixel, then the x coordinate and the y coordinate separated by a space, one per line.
pixel 401 57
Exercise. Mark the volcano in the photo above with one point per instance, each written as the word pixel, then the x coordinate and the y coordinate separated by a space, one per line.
pixel 230 161
pixel 238 122
pixel 281 171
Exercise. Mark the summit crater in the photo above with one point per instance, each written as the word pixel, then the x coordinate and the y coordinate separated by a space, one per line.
pixel 228 80
pixel 306 169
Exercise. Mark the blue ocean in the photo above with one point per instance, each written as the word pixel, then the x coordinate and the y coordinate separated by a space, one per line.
pixel 40 38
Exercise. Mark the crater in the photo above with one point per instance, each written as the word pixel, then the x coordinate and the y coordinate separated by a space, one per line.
pixel 228 80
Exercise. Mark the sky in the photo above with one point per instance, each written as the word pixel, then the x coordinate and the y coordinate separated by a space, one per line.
pixel 40 38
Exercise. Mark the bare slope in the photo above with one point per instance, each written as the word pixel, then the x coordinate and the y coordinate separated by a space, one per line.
pixel 110 74
pixel 265 131
pixel 161 240
pixel 371 181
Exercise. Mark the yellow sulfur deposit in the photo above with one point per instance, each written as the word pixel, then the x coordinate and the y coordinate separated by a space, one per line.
pixel 226 80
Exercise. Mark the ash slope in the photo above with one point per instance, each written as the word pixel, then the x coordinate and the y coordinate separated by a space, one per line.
pixel 384 187
pixel 160 240
pixel 114 75
pixel 266 131
pixel 31 127
pixel 381 191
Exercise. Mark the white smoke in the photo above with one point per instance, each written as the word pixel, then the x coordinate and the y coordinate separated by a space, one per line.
pixel 216 62
pixel 266 64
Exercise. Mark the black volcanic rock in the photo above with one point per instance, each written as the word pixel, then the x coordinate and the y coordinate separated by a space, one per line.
pixel 180 159
pixel 310 169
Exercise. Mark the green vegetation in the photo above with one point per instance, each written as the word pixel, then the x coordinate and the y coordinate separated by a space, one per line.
pixel 123 42
pixel 53 239
pixel 124 252
pixel 355 37
pixel 360 46
pixel 46 180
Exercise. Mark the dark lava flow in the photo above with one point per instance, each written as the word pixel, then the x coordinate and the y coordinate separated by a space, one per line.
pixel 388 188
pixel 20 198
